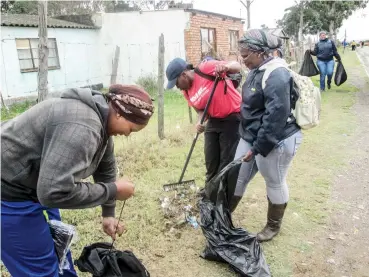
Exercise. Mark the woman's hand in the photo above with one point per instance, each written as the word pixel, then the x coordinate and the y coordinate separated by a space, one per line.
pixel 248 157
pixel 125 189
pixel 110 227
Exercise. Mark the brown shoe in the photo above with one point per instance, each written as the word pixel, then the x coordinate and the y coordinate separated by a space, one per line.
pixel 274 222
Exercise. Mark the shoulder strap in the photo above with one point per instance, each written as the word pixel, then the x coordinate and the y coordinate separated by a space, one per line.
pixel 209 77
pixel 268 71
pixel 204 75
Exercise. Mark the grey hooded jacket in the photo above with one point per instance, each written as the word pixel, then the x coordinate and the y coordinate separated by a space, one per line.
pixel 48 150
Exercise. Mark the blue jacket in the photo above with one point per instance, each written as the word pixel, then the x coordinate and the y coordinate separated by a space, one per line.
pixel 325 50
pixel 266 116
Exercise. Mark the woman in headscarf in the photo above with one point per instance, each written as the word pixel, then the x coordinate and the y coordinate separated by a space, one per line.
pixel 46 152
pixel 223 116
pixel 269 133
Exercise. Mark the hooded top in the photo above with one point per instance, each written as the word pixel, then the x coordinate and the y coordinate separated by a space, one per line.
pixel 47 151
pixel 266 115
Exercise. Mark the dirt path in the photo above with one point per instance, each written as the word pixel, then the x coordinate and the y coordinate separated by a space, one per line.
pixel 341 249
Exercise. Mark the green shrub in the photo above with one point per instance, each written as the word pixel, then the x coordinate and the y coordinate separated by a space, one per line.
pixel 149 83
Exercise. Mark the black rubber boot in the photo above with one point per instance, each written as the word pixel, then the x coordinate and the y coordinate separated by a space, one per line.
pixel 329 84
pixel 274 222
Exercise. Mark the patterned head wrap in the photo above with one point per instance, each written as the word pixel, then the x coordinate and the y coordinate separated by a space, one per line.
pixel 131 102
pixel 260 41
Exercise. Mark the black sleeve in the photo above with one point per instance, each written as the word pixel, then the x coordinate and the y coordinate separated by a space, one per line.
pixel 315 51
pixel 335 52
pixel 277 111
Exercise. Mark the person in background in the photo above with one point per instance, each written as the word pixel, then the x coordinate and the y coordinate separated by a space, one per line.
pixel 353 45
pixel 270 136
pixel 325 50
pixel 362 44
pixel 223 118
pixel 46 152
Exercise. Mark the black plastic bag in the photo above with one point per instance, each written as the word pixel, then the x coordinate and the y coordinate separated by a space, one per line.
pixel 101 260
pixel 226 243
pixel 341 76
pixel 308 67
pixel 63 234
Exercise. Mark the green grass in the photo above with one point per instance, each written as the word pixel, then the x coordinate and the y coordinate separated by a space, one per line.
pixel 15 109
pixel 150 163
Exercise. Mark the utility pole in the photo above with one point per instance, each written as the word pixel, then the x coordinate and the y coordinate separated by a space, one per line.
pixel 43 51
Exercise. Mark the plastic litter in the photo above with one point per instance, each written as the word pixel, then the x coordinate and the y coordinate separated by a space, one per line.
pixel 226 243
pixel 341 76
pixel 193 221
pixel 63 235
pixel 308 67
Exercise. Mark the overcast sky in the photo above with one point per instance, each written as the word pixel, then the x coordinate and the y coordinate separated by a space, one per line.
pixel 268 11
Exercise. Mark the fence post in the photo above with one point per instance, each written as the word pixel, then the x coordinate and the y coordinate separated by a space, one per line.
pixel 161 87
pixel 43 51
pixel 113 78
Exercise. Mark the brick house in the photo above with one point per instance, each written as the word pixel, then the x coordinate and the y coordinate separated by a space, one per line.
pixel 211 34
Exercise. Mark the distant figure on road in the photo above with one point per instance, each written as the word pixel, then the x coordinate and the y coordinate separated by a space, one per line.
pixel 362 44
pixel 325 50
pixel 353 45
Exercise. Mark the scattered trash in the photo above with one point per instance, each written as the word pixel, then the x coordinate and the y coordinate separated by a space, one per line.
pixel 331 261
pixel 355 217
pixel 331 237
pixel 192 220
pixel 179 206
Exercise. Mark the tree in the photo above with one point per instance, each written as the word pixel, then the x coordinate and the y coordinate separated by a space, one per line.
pixel 247 5
pixel 317 15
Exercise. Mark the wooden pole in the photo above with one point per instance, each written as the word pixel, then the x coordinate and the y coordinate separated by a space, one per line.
pixel 43 51
pixel 114 72
pixel 190 114
pixel 4 106
pixel 161 87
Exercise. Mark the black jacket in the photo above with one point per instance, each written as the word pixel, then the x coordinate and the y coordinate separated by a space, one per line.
pixel 266 117
pixel 325 50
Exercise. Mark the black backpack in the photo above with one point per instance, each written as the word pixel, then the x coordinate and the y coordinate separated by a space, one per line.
pixel 102 261
pixel 235 78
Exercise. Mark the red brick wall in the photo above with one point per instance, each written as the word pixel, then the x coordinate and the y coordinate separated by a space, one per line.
pixel 222 27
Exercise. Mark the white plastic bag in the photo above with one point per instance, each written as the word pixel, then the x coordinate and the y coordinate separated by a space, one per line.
pixel 63 235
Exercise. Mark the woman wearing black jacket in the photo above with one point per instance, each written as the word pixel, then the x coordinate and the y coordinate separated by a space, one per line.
pixel 269 133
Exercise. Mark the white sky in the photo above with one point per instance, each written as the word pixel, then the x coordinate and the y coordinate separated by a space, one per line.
pixel 268 11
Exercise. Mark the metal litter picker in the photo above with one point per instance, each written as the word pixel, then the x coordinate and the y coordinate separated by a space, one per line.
pixel 187 183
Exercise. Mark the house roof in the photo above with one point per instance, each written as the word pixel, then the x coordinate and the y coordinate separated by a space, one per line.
pixel 27 20
pixel 214 14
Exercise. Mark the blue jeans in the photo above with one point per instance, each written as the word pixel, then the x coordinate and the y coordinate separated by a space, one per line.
pixel 27 248
pixel 326 69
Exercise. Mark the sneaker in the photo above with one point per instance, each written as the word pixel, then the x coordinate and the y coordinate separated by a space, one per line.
pixel 322 90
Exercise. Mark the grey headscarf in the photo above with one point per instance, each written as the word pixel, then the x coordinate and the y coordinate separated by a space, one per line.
pixel 261 41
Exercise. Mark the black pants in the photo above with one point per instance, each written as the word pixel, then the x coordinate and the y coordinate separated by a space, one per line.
pixel 221 140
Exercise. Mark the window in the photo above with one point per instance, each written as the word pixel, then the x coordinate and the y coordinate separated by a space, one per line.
pixel 233 40
pixel 208 42
pixel 27 49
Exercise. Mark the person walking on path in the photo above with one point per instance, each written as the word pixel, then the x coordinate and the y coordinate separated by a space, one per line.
pixel 223 118
pixel 46 153
pixel 325 50
pixel 270 136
